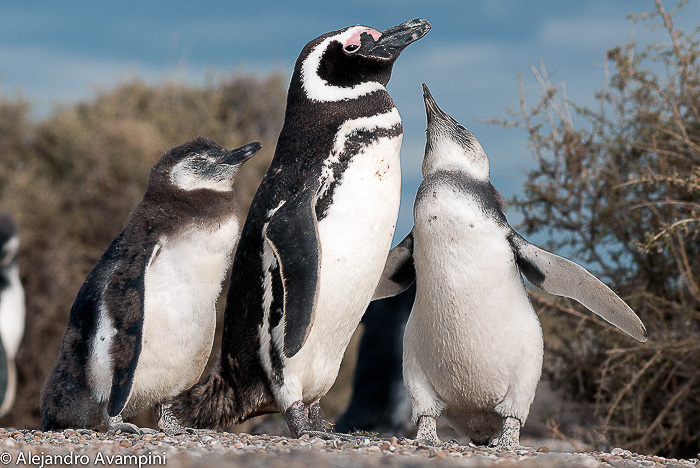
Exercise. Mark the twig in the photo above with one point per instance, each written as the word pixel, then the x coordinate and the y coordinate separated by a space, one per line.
pixel 629 385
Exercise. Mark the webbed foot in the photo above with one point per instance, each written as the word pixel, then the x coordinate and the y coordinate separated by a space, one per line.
pixel 509 440
pixel 427 432
pixel 167 421
pixel 116 424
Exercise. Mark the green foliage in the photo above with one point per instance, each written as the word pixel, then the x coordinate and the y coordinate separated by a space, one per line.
pixel 72 179
pixel 621 194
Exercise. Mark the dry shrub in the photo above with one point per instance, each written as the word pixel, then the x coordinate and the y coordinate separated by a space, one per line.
pixel 72 179
pixel 621 194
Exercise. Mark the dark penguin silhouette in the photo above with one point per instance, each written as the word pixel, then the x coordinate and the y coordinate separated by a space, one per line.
pixel 12 311
pixel 142 325
pixel 379 401
pixel 314 242
pixel 473 343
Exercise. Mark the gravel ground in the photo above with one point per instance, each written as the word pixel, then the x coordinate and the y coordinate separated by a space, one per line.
pixel 215 449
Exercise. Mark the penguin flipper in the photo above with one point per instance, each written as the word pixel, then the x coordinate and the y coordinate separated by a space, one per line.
pixel 127 289
pixel 557 275
pixel 399 272
pixel 292 233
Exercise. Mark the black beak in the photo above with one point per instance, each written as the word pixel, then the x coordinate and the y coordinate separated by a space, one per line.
pixel 240 155
pixel 394 40
pixel 431 108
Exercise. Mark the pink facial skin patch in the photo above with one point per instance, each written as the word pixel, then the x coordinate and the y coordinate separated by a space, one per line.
pixel 355 38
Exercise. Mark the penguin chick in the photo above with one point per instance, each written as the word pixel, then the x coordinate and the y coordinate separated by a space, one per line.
pixel 142 325
pixel 473 343
pixel 317 234
pixel 12 311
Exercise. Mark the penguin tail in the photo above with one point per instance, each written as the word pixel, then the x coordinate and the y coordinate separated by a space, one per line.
pixel 214 403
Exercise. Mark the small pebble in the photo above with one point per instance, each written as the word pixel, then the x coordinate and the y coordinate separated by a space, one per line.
pixel 617 451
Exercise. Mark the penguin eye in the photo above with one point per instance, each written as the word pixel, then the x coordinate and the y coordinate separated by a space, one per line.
pixel 350 48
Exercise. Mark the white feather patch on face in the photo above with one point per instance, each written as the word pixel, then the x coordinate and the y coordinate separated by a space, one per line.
pixel 186 176
pixel 100 367
pixel 318 89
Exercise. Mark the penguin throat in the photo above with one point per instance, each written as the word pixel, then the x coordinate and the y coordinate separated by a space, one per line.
pixel 451 157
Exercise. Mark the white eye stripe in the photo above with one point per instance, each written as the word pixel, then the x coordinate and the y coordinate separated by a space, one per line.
pixel 318 89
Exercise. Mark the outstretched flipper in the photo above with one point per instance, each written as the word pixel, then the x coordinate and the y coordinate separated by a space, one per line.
pixel 292 233
pixel 399 272
pixel 556 275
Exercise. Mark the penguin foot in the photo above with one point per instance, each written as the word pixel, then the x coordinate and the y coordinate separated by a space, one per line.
pixel 84 431
pixel 303 420
pixel 427 432
pixel 126 428
pixel 315 417
pixel 320 434
pixel 326 435
pixel 509 440
pixel 167 421
pixel 297 421
pixel 117 424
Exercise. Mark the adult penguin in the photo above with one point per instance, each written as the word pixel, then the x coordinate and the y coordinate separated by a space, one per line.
pixel 318 231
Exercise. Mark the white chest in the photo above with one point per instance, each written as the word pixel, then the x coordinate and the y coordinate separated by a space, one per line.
pixel 355 238
pixel 182 285
pixel 472 328
pixel 12 311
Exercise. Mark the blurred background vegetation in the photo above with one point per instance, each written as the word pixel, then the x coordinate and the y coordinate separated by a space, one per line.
pixel 71 180
pixel 619 193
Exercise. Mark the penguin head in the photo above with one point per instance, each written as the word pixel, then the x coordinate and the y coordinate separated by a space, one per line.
pixel 201 164
pixel 354 61
pixel 9 240
pixel 449 145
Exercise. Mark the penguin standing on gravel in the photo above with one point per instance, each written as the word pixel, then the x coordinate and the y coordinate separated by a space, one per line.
pixel 12 310
pixel 473 343
pixel 142 325
pixel 316 237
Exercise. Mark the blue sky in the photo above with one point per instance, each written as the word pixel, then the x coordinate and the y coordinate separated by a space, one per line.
pixel 61 51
